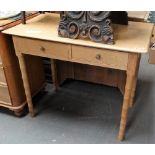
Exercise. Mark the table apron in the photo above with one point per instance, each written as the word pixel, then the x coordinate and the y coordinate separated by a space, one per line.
pixel 73 53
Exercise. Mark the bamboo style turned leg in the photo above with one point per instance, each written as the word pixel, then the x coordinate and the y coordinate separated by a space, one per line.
pixel 26 83
pixel 131 74
pixel 133 91
pixel 54 74
pixel 135 83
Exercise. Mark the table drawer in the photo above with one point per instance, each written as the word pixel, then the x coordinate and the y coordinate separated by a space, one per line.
pixel 99 57
pixel 4 95
pixel 43 48
pixel 2 76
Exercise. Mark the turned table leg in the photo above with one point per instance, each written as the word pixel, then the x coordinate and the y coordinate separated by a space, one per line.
pixel 26 83
pixel 133 91
pixel 131 74
pixel 135 82
pixel 54 74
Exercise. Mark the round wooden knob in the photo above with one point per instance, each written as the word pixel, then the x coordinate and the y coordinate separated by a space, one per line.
pixel 98 56
pixel 42 48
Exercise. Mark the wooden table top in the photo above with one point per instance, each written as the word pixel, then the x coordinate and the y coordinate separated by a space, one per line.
pixel 134 37
pixel 139 15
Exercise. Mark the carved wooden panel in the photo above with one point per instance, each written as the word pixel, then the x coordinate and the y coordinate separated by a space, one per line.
pixel 95 25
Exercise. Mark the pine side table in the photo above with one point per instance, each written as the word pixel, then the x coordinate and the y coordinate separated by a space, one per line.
pixel 40 38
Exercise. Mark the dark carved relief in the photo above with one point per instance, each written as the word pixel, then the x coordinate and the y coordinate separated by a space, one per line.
pixel 95 25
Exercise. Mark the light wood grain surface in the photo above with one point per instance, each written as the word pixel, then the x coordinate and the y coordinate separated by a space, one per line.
pixel 132 38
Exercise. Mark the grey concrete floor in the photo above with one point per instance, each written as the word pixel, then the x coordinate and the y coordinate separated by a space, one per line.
pixel 83 112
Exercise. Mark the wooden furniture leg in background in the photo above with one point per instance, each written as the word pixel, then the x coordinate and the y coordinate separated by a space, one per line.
pixel 54 73
pixel 23 17
pixel 131 75
pixel 135 82
pixel 19 112
pixel 26 83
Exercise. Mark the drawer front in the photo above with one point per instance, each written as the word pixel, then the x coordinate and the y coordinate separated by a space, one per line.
pixel 42 48
pixel 2 76
pixel 0 61
pixel 4 95
pixel 99 57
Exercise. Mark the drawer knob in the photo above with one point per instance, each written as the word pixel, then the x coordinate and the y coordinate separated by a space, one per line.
pixel 98 57
pixel 42 48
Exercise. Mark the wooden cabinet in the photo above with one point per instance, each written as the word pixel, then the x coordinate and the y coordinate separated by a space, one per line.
pixel 152 49
pixel 12 95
